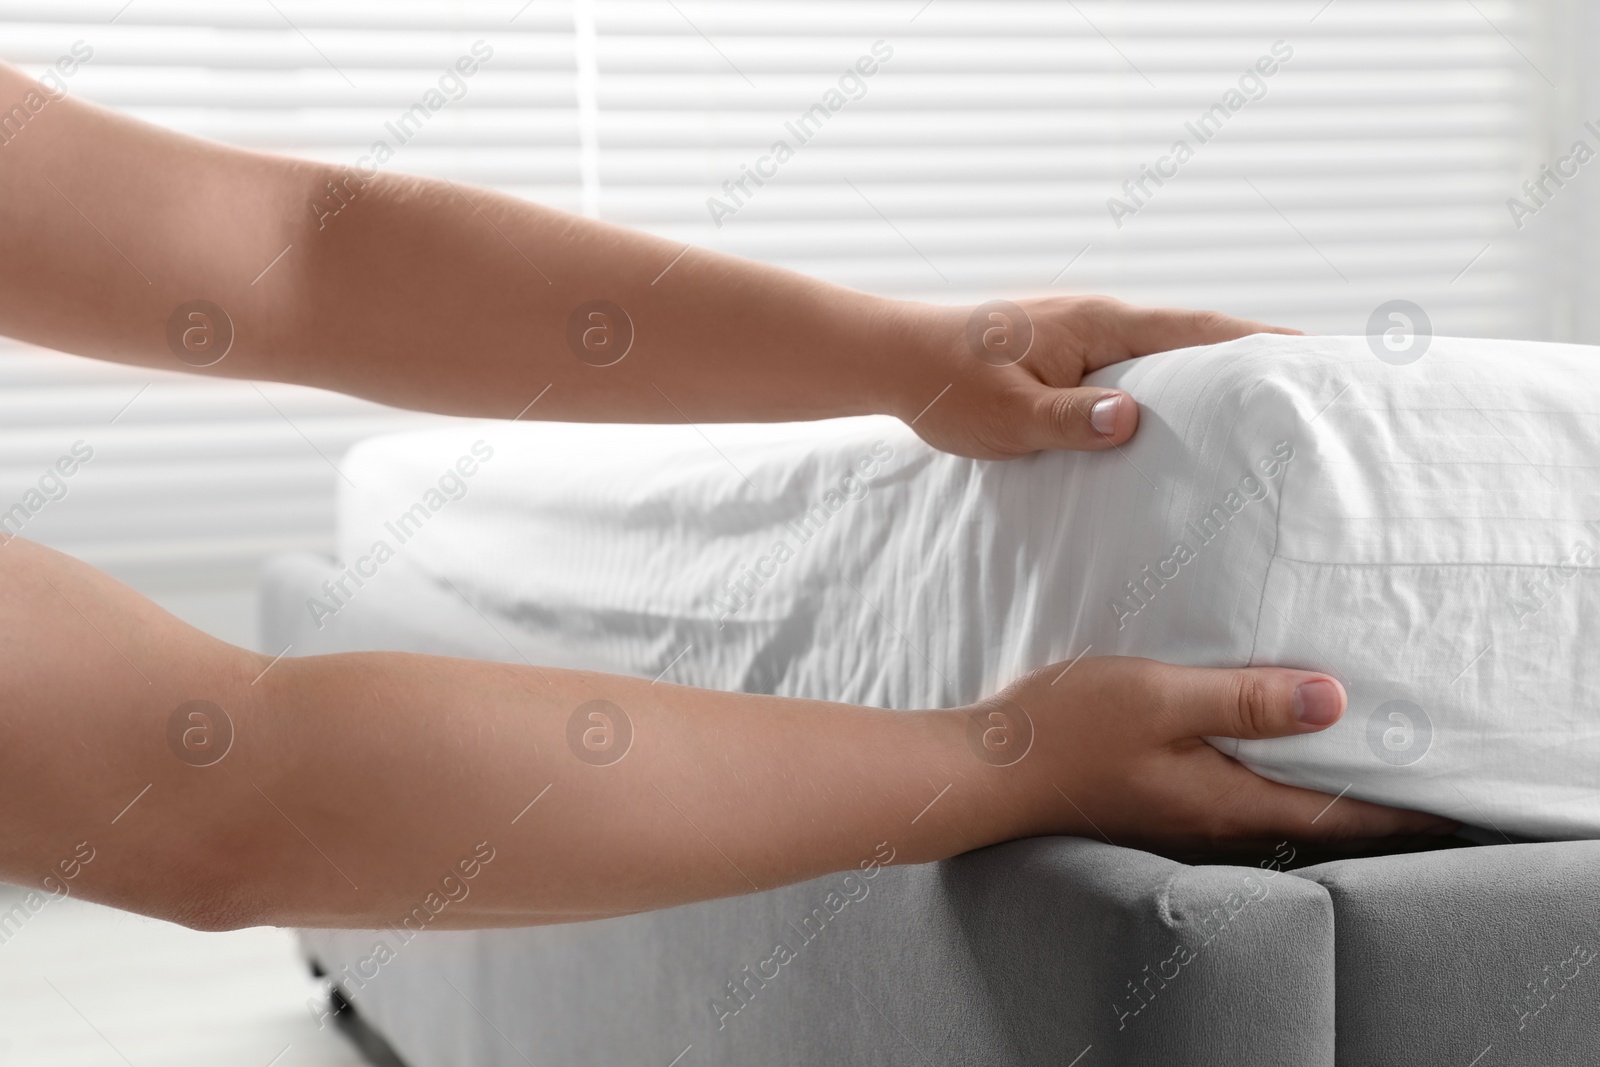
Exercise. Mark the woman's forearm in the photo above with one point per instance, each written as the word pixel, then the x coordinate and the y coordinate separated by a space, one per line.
pixel 344 790
pixel 149 766
pixel 474 302
pixel 710 794
pixel 128 242
pixel 416 292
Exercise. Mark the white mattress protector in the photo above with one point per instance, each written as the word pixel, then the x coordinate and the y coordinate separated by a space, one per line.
pixel 1427 533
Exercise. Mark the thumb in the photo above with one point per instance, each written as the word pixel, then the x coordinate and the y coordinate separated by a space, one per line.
pixel 1256 702
pixel 1085 419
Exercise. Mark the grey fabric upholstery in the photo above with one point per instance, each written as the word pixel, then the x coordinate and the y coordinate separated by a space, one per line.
pixel 1024 954
pixel 1441 956
pixel 1053 951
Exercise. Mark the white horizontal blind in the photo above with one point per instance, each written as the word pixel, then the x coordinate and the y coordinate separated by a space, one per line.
pixel 199 479
pixel 977 160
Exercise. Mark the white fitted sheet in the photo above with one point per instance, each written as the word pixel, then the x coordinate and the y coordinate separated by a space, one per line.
pixel 1427 533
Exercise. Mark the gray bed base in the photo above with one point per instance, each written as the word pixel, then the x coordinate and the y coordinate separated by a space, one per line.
pixel 1059 951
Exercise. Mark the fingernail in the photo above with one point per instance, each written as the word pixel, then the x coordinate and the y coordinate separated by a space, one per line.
pixel 1316 703
pixel 1103 415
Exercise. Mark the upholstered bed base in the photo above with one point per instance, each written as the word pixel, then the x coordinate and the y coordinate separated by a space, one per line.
pixel 1055 951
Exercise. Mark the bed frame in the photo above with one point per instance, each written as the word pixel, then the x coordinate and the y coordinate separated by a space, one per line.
pixel 1059 951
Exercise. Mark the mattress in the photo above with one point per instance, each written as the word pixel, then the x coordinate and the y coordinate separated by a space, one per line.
pixel 1428 533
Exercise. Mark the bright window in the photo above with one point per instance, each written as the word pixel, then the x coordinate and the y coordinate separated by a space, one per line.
pixel 1301 162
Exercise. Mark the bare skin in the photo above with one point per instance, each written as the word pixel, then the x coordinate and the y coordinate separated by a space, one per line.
pixel 430 295
pixel 354 783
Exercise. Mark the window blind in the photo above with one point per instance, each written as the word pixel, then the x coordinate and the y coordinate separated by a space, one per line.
pixel 197 479
pixel 1336 156
pixel 1374 163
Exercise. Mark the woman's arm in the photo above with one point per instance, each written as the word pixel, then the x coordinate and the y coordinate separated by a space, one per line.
pixel 344 790
pixel 146 765
pixel 433 295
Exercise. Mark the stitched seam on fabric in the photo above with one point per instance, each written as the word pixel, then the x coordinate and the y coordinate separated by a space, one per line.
pixel 1391 566
pixel 1230 416
pixel 1266 573
pixel 1266 578
pixel 1328 891
pixel 1164 902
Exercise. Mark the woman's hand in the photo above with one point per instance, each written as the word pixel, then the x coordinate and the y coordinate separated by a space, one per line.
pixel 1113 748
pixel 1006 375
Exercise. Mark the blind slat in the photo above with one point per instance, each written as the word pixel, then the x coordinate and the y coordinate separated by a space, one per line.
pixel 992 139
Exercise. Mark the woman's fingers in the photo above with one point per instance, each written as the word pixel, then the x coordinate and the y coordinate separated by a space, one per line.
pixel 1024 393
pixel 1083 419
pixel 1252 806
pixel 1123 331
pixel 1249 703
pixel 1264 702
pixel 1124 738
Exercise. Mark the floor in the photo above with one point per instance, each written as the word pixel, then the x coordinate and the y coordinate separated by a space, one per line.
pixel 88 986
